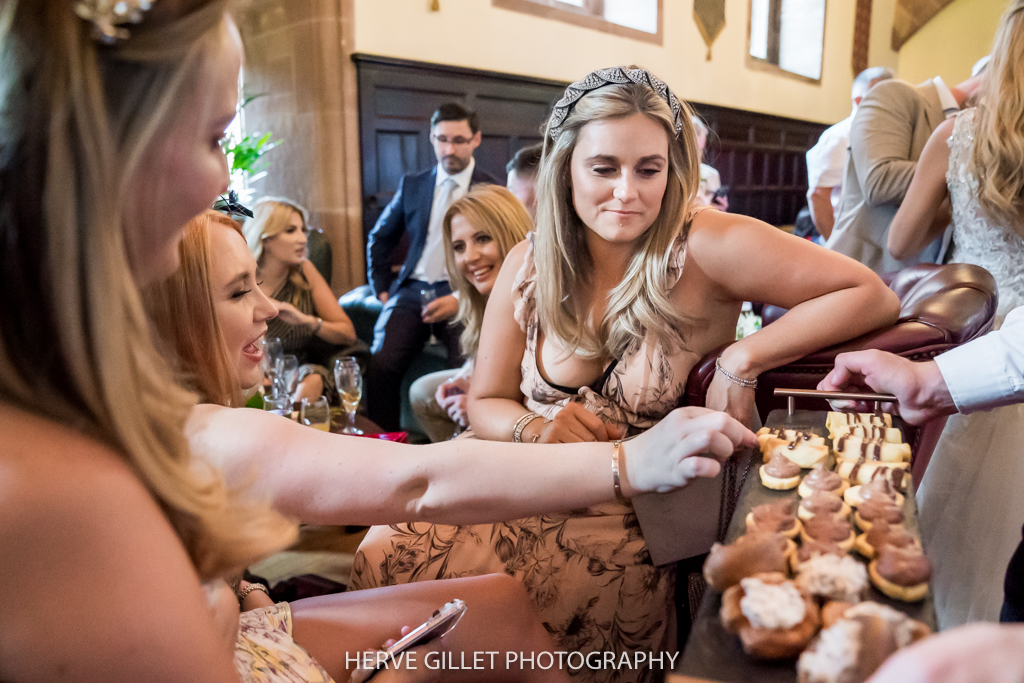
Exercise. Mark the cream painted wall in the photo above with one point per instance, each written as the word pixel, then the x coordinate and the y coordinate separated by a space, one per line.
pixel 952 41
pixel 474 34
pixel 880 52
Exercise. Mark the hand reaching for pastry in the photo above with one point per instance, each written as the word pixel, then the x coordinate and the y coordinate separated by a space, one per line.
pixel 976 653
pixel 686 444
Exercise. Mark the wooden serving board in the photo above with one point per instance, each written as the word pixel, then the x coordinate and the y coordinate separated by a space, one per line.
pixel 714 654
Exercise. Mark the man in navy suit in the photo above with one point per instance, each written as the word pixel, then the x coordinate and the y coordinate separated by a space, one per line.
pixel 418 209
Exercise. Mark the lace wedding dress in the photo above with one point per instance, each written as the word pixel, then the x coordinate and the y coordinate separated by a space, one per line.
pixel 970 498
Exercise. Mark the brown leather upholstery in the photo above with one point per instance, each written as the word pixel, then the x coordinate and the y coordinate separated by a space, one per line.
pixel 941 307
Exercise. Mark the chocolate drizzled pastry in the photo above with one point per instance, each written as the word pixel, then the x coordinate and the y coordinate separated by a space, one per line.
pixel 815 548
pixel 827 528
pixel 821 479
pixel 878 489
pixel 903 566
pixel 774 517
pixel 781 467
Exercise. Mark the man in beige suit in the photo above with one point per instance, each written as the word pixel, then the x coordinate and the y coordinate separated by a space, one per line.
pixel 891 127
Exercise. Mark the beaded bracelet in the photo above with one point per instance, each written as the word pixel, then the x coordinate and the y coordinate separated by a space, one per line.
pixel 746 383
pixel 249 589
pixel 517 431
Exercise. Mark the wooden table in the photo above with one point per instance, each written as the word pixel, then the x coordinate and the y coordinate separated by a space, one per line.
pixel 714 654
pixel 339 421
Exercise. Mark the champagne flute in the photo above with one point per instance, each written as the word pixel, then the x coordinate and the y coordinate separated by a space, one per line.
pixel 349 380
pixel 278 405
pixel 316 414
pixel 272 352
pixel 288 372
pixel 428 294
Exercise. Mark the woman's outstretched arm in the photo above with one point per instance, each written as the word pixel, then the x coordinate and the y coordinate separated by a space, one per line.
pixel 334 479
pixel 831 298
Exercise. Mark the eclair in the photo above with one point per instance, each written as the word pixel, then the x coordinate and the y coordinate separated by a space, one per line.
pixel 854 448
pixel 876 489
pixel 881 533
pixel 901 573
pixel 780 473
pixel 878 419
pixel 869 432
pixel 864 472
pixel 774 518
pixel 822 503
pixel 870 511
pixel 748 555
pixel 830 529
pixel 772 616
pixel 766 434
pixel 822 479
pixel 805 454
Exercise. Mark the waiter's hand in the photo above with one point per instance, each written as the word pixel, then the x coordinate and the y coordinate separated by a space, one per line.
pixel 919 387
pixel 440 309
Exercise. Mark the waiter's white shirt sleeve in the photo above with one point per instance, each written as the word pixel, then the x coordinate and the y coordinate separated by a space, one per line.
pixel 989 371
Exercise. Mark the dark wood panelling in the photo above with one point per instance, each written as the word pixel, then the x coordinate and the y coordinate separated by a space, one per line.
pixel 760 157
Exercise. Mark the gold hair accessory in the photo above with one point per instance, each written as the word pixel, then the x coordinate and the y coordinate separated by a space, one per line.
pixel 108 17
pixel 602 77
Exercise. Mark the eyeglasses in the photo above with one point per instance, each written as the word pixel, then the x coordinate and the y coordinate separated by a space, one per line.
pixel 458 140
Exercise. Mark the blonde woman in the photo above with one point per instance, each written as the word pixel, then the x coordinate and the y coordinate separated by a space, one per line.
pixel 310 323
pixel 590 332
pixel 479 230
pixel 970 495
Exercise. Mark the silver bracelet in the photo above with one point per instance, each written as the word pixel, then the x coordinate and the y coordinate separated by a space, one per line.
pixel 745 383
pixel 616 481
pixel 517 431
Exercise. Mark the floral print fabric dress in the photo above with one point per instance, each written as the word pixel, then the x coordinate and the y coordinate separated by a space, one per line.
pixel 588 571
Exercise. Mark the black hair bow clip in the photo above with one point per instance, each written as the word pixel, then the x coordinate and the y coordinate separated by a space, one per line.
pixel 228 204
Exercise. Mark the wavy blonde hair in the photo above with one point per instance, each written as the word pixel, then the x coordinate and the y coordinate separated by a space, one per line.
pixel 271 217
pixel 998 157
pixel 640 303
pixel 185 316
pixel 493 210
pixel 76 121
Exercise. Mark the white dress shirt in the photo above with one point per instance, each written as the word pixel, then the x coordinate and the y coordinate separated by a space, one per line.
pixel 989 371
pixel 950 107
pixel 825 161
pixel 431 266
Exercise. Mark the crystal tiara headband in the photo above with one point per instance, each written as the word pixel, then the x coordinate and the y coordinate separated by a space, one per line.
pixel 109 16
pixel 617 75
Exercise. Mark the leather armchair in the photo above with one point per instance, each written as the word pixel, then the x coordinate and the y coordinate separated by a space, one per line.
pixel 941 308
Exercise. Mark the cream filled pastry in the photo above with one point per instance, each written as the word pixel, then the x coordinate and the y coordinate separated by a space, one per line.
pixel 774 518
pixel 766 434
pixel 822 503
pixel 901 573
pixel 874 509
pixel 805 454
pixel 877 489
pixel 748 555
pixel 869 432
pixel 772 616
pixel 850 650
pixel 865 472
pixel 820 478
pixel 828 529
pixel 855 449
pixel 780 473
pixel 879 419
pixel 830 577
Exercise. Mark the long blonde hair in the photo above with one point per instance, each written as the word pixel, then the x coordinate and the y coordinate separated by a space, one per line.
pixel 184 315
pixel 640 304
pixel 77 120
pixel 271 217
pixel 493 210
pixel 998 157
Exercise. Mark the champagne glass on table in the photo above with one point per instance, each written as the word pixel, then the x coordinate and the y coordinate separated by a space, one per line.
pixel 349 380
pixel 278 404
pixel 272 352
pixel 316 414
pixel 288 372
pixel 428 294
